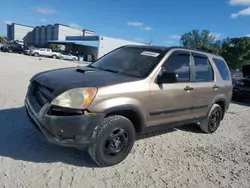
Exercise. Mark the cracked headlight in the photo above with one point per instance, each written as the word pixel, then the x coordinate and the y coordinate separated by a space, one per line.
pixel 78 98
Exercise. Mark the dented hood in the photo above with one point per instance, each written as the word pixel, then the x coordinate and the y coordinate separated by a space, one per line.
pixel 61 80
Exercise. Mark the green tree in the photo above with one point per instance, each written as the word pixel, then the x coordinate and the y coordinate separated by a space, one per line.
pixel 3 39
pixel 201 40
pixel 236 51
pixel 55 47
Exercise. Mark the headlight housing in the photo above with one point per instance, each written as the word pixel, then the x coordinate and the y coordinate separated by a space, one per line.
pixel 238 82
pixel 77 98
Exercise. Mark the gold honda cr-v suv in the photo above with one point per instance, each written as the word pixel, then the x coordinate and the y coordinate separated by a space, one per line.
pixel 103 107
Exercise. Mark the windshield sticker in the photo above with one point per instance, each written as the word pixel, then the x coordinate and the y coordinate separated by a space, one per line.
pixel 152 54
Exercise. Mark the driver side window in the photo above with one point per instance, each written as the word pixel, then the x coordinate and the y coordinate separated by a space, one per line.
pixel 179 63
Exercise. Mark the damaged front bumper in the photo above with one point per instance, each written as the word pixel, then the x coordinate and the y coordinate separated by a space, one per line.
pixel 64 129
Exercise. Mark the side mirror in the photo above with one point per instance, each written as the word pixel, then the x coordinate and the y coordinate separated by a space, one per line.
pixel 167 77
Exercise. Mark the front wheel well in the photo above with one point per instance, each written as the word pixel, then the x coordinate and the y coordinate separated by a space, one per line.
pixel 133 116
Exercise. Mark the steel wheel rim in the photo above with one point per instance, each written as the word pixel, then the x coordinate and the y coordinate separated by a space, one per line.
pixel 116 143
pixel 214 119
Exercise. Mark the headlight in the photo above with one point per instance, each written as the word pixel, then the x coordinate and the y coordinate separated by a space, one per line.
pixel 78 98
pixel 238 82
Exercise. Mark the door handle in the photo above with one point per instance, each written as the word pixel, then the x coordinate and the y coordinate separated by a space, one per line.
pixel 187 88
pixel 216 87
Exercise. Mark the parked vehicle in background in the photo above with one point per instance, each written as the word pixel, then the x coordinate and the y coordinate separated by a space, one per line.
pixel 241 84
pixel 46 52
pixel 67 56
pixel 236 77
pixel 12 47
pixel 28 50
pixel 134 89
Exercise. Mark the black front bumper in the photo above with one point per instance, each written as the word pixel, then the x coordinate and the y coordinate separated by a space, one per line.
pixel 70 131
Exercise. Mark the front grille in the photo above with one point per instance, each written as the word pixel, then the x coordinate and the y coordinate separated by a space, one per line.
pixel 39 95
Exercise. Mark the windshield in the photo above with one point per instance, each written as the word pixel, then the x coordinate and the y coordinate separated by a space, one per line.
pixel 132 61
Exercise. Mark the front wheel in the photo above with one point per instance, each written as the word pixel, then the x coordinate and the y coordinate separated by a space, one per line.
pixel 54 56
pixel 212 122
pixel 114 141
pixel 36 54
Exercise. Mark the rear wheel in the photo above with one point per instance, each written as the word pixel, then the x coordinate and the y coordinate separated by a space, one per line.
pixel 212 122
pixel 114 141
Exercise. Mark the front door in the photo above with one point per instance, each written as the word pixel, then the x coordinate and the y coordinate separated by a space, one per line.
pixel 172 102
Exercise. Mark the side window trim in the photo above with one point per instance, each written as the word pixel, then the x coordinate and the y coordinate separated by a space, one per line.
pixel 209 62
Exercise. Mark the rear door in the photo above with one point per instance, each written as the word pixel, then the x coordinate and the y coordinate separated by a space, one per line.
pixel 48 52
pixel 205 88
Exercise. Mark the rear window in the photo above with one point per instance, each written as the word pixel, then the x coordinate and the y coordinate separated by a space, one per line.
pixel 222 68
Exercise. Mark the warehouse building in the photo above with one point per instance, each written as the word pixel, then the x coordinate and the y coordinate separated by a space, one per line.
pixel 40 35
pixel 20 32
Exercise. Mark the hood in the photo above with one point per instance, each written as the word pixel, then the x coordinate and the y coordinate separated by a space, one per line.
pixel 61 80
pixel 246 70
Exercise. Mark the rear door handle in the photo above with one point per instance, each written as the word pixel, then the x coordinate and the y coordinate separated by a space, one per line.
pixel 216 87
pixel 187 88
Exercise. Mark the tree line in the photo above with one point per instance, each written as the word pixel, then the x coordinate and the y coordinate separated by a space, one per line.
pixel 236 51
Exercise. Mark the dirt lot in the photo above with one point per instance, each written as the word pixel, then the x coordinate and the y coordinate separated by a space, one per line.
pixel 182 157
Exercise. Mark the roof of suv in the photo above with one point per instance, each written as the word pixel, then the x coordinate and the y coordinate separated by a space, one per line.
pixel 164 48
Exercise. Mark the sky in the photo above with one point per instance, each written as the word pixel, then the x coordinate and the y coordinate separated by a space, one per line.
pixel 160 21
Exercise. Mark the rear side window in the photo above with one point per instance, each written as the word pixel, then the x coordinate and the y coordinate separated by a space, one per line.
pixel 179 64
pixel 203 70
pixel 222 67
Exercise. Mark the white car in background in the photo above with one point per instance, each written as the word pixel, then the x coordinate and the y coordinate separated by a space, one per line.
pixel 68 56
pixel 46 52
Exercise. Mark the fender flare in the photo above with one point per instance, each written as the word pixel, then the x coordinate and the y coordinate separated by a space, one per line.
pixel 133 108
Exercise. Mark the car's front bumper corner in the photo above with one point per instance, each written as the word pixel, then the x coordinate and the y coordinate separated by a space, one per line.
pixel 70 131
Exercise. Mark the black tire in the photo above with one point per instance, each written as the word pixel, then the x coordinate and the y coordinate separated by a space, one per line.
pixel 103 150
pixel 54 56
pixel 74 59
pixel 36 54
pixel 212 122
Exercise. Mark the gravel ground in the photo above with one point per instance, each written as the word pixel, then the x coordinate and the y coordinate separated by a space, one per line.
pixel 182 157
